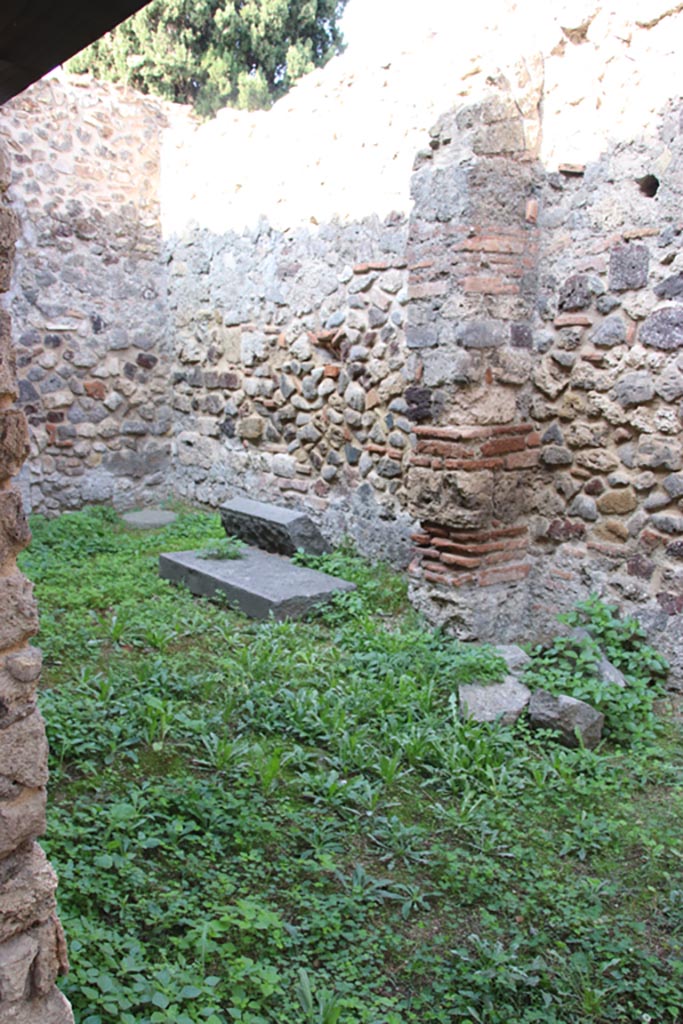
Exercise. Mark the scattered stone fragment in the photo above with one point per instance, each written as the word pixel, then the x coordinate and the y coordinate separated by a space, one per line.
pixel 514 657
pixel 489 702
pixel 575 721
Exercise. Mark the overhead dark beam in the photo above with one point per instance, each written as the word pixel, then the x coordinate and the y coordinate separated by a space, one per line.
pixel 37 35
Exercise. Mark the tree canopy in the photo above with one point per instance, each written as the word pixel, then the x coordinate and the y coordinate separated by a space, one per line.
pixel 215 53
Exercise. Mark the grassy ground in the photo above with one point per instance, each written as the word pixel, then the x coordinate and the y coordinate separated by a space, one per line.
pixel 290 823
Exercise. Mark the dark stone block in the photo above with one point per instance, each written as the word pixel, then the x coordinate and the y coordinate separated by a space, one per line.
pixel 419 402
pixel 146 361
pixel 260 584
pixel 521 336
pixel 271 527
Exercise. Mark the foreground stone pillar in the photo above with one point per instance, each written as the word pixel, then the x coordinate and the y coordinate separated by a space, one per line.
pixel 32 947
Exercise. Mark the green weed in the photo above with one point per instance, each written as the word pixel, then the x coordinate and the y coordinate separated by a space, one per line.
pixel 268 822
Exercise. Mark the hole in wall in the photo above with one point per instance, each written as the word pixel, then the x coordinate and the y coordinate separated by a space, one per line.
pixel 648 185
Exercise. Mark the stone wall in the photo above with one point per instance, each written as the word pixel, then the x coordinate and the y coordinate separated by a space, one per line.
pixel 290 371
pixel 498 360
pixel 89 293
pixel 32 948
pixel 545 307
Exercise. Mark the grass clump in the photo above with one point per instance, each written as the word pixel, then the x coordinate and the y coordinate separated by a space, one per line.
pixel 267 822
pixel 225 548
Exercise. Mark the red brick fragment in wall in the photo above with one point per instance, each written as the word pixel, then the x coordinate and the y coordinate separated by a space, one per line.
pixel 493 243
pixel 523 460
pixel 508 574
pixel 95 389
pixel 503 445
pixel 572 320
pixel 364 268
pixel 490 286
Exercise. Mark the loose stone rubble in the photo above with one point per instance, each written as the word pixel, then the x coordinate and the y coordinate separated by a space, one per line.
pixel 576 722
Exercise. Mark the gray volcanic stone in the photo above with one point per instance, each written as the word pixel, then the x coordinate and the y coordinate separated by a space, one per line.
pixel 610 332
pixel 583 507
pixel 514 657
pixel 149 518
pixel 670 288
pixel 634 388
pixel 271 527
pixel 575 294
pixel 480 334
pixel 488 702
pixel 259 583
pixel 568 717
pixel 555 455
pixel 628 267
pixel 673 484
pixel 668 523
pixel 421 337
pixel 663 329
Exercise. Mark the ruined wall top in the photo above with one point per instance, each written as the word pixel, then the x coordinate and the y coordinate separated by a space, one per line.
pixel 342 143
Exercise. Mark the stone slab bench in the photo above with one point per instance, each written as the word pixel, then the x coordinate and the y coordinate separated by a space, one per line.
pixel 260 584
pixel 149 518
pixel 271 527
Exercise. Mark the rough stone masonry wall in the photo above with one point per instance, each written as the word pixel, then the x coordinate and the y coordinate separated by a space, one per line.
pixel 32 948
pixel 89 293
pixel 290 373
pixel 547 315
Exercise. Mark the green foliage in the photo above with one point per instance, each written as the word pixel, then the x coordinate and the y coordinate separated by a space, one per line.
pixel 214 53
pixel 225 548
pixel 267 822
pixel 571 665
pixel 252 91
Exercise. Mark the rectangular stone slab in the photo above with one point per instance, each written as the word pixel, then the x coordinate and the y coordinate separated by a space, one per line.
pixel 271 527
pixel 260 584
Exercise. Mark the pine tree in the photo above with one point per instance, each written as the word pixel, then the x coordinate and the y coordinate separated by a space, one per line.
pixel 214 53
